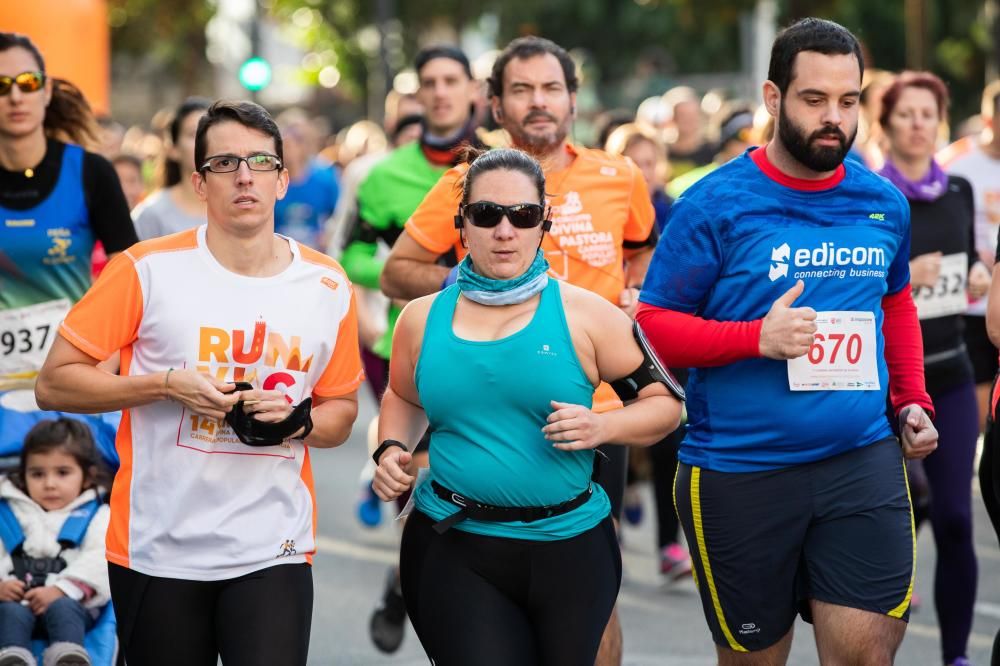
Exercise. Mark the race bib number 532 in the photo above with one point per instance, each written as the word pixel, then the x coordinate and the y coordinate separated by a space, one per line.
pixel 841 357
pixel 947 296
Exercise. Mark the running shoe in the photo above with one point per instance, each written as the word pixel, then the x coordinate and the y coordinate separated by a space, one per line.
pixel 961 661
pixel 369 505
pixel 675 561
pixel 632 508
pixel 388 622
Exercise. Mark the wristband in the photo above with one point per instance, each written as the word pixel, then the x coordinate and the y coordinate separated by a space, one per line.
pixel 389 443
pixel 166 382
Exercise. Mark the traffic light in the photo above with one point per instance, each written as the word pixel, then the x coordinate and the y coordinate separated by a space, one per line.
pixel 255 74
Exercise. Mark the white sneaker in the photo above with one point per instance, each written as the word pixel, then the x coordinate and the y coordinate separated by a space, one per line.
pixel 64 653
pixel 17 656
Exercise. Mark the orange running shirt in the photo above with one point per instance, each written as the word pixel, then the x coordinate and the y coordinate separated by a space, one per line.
pixel 190 500
pixel 598 202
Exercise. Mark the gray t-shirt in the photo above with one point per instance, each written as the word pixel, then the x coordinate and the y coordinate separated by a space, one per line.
pixel 158 215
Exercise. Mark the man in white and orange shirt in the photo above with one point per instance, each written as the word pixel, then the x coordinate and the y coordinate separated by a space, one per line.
pixel 977 159
pixel 601 237
pixel 200 521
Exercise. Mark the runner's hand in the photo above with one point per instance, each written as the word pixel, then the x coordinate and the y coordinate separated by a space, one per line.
pixel 925 269
pixel 12 590
pixel 628 301
pixel 201 394
pixel 574 427
pixel 918 435
pixel 266 406
pixel 787 332
pixel 391 480
pixel 40 598
pixel 979 280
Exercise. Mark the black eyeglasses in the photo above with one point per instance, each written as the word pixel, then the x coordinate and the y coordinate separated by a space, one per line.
pixel 230 163
pixel 488 214
pixel 26 81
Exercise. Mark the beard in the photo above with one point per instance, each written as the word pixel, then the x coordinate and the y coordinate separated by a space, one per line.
pixel 804 149
pixel 539 143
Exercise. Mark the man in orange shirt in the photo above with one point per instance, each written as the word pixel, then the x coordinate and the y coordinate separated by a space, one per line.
pixel 602 218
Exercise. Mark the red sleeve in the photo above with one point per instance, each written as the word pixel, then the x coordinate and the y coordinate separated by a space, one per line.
pixel 688 341
pixel 904 352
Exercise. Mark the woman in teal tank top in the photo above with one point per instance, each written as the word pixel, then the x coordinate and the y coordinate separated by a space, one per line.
pixel 509 556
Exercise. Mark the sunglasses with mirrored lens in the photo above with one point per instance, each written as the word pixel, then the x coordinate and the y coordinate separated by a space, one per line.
pixel 26 81
pixel 488 214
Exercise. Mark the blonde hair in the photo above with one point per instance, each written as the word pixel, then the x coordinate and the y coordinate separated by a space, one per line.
pixel 624 137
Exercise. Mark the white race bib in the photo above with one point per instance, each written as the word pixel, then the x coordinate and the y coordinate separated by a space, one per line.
pixel 947 296
pixel 842 356
pixel 422 474
pixel 26 335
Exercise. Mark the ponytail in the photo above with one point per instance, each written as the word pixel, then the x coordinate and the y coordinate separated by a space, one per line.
pixel 69 118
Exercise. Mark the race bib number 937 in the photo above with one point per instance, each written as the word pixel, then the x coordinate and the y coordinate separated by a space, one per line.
pixel 26 335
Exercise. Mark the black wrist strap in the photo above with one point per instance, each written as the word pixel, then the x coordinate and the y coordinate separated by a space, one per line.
pixel 308 425
pixel 387 444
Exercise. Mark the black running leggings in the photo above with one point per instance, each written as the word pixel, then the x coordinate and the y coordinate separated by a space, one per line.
pixel 989 468
pixel 493 601
pixel 260 619
pixel 989 485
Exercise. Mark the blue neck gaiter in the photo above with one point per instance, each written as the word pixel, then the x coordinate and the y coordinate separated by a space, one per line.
pixel 487 291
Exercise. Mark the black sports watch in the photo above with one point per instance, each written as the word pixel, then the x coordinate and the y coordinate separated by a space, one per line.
pixel 387 444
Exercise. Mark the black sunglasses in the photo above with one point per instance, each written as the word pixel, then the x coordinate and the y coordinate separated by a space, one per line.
pixel 26 81
pixel 487 214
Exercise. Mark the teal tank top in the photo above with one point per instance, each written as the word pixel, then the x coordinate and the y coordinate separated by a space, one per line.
pixel 487 403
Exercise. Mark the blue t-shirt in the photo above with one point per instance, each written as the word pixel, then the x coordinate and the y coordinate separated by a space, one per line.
pixel 307 205
pixel 736 241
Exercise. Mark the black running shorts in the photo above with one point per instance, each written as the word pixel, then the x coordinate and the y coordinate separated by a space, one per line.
pixel 762 544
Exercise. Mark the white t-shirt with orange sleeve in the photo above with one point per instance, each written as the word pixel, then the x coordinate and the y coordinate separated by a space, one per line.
pixel 190 500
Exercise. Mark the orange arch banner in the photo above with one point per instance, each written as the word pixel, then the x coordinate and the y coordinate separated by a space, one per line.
pixel 74 38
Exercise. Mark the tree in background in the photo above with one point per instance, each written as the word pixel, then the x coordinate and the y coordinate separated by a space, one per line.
pixel 662 39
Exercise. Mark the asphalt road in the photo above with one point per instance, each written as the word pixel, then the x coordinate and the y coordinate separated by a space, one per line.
pixel 663 624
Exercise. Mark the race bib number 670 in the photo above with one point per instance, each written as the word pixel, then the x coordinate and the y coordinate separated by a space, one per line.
pixel 841 357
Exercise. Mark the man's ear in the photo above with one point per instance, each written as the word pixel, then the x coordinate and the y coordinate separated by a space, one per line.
pixel 772 98
pixel 198 183
pixel 282 184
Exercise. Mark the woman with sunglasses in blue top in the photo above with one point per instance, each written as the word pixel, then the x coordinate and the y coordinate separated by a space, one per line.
pixel 56 200
pixel 510 556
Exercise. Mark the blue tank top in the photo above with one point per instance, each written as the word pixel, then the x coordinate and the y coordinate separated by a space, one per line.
pixel 487 402
pixel 45 253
